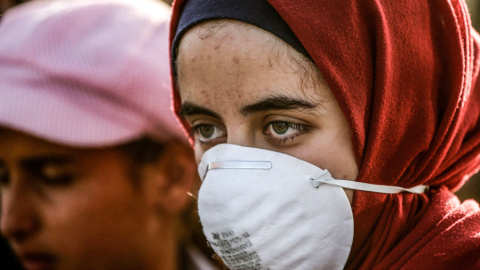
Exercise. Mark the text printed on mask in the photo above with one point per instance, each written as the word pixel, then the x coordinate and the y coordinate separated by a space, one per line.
pixel 236 250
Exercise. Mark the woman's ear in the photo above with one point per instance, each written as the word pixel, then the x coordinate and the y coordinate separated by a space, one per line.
pixel 171 177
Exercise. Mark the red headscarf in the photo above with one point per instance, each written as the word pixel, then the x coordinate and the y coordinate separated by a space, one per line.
pixel 405 75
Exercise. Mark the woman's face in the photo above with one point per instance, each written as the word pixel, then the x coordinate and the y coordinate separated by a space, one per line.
pixel 71 208
pixel 242 85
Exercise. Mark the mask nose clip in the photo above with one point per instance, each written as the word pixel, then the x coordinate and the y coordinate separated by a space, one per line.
pixel 258 165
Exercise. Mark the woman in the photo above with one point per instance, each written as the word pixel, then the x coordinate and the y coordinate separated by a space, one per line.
pixel 94 169
pixel 381 93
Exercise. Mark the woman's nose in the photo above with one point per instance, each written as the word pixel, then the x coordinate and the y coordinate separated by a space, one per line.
pixel 19 217
pixel 241 135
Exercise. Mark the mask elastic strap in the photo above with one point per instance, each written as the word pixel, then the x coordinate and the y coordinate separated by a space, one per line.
pixel 325 178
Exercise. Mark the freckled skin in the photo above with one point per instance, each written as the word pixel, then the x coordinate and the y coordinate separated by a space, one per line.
pixel 240 64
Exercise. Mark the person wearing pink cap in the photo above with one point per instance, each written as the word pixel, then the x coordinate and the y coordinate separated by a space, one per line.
pixel 94 169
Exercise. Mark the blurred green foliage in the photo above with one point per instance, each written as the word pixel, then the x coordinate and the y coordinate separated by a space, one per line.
pixel 474 7
pixel 471 189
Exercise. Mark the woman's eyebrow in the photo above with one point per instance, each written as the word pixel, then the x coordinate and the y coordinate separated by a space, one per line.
pixel 277 103
pixel 189 109
pixel 51 159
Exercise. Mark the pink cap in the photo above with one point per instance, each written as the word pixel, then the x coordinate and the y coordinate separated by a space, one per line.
pixel 87 72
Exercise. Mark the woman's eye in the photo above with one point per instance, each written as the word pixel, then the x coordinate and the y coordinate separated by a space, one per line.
pixel 280 127
pixel 279 132
pixel 54 176
pixel 51 174
pixel 205 133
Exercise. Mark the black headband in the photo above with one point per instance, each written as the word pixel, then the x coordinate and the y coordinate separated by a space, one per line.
pixel 256 12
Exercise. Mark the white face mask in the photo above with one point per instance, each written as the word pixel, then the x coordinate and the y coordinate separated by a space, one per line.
pixel 266 210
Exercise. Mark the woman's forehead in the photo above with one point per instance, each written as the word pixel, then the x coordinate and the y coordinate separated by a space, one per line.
pixel 18 144
pixel 234 55
pixel 234 41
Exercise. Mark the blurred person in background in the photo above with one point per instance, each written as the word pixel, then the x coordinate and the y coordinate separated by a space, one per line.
pixel 6 4
pixel 332 134
pixel 94 169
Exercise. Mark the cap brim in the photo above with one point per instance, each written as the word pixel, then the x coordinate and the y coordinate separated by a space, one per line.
pixel 62 119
